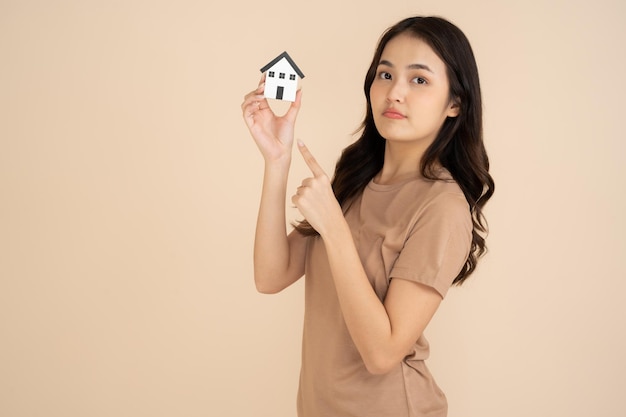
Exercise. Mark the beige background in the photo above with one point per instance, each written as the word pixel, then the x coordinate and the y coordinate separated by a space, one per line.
pixel 129 188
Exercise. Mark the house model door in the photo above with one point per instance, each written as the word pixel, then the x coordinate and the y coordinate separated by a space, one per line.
pixel 279 92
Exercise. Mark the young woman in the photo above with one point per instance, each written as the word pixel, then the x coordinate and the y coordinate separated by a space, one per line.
pixel 382 242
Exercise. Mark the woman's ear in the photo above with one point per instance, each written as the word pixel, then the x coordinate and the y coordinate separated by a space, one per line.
pixel 454 107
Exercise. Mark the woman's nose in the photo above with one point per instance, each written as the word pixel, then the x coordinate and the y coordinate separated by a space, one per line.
pixel 396 92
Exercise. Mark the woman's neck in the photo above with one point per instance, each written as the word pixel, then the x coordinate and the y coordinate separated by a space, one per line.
pixel 402 162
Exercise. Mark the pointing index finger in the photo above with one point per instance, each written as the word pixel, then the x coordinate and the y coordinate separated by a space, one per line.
pixel 310 160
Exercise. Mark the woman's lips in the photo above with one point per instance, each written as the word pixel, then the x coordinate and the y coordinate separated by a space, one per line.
pixel 393 114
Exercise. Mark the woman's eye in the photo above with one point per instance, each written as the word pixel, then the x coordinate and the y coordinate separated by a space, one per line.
pixel 384 75
pixel 419 80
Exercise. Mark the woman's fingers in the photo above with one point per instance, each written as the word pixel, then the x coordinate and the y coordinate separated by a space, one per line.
pixel 310 160
pixel 254 101
pixel 256 94
pixel 253 98
pixel 250 106
pixel 294 108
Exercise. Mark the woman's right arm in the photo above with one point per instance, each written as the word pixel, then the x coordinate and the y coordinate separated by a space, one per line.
pixel 278 257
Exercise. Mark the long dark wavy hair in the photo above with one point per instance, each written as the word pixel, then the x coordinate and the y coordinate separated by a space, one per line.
pixel 458 146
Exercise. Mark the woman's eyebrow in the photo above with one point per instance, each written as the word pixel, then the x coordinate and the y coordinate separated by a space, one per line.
pixel 411 66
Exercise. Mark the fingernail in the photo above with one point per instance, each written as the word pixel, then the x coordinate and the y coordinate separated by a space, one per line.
pixel 300 143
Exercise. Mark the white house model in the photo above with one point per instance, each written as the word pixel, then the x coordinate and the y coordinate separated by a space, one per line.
pixel 281 81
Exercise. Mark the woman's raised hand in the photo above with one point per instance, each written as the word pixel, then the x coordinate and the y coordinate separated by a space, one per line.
pixel 272 134
pixel 315 199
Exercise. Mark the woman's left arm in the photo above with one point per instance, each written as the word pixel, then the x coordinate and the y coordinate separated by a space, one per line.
pixel 382 332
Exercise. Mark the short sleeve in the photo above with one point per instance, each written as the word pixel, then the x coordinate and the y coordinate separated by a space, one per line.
pixel 438 243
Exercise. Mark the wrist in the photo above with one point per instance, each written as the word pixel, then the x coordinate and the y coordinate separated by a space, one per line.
pixel 278 164
pixel 277 170
pixel 336 232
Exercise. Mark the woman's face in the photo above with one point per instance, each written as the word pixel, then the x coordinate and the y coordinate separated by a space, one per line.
pixel 410 93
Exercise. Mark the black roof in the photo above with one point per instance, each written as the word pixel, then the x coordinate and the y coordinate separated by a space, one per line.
pixel 288 58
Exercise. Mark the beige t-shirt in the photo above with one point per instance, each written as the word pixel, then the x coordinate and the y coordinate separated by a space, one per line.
pixel 418 230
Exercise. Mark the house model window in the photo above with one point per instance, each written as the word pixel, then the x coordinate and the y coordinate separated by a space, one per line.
pixel 282 88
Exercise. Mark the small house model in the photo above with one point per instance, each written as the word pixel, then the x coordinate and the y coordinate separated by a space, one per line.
pixel 281 82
